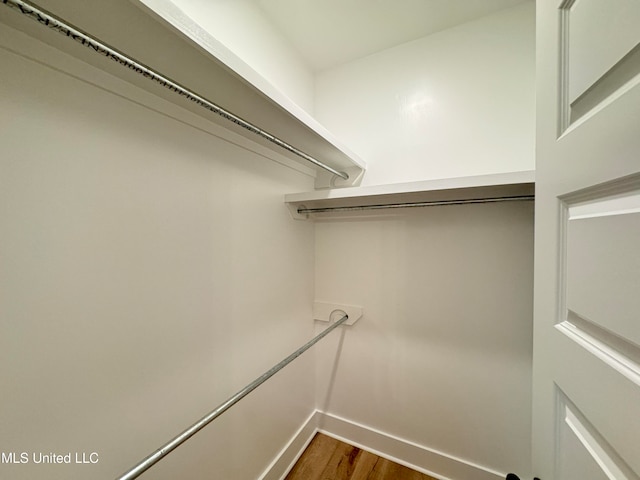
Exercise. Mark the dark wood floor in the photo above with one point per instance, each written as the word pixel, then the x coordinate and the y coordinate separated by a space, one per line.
pixel 329 459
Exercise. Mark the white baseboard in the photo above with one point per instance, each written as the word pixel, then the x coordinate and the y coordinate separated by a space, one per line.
pixel 418 457
pixel 292 451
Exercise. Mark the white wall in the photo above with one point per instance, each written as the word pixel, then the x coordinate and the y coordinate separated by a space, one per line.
pixel 148 270
pixel 442 355
pixel 456 103
pixel 241 26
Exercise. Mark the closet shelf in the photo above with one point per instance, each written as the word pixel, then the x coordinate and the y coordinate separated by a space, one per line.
pixel 157 35
pixel 494 187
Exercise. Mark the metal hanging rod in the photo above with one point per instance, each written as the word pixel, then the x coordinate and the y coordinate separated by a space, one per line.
pixel 156 456
pixel 55 23
pixel 304 210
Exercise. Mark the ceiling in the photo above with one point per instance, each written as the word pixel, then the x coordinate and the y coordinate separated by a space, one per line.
pixel 328 33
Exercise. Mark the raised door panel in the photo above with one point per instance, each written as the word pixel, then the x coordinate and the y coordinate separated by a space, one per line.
pixel 583 453
pixel 599 54
pixel 601 34
pixel 603 266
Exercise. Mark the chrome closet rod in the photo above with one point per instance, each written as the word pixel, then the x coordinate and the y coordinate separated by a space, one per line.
pixel 96 45
pixel 156 456
pixel 304 210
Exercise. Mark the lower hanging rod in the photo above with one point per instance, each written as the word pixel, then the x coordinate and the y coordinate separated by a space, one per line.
pixel 156 456
pixel 304 210
pixel 103 49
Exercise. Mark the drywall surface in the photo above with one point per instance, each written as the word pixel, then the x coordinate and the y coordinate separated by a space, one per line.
pixel 442 355
pixel 148 270
pixel 456 103
pixel 242 27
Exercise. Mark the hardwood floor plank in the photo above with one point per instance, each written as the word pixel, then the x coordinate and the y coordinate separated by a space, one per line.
pixel 386 469
pixel 329 459
pixel 314 459
pixel 342 462
pixel 365 466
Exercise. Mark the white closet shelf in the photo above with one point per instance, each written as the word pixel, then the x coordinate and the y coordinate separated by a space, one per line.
pixel 157 35
pixel 481 187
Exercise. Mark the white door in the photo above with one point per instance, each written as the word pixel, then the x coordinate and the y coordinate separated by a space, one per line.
pixel 586 418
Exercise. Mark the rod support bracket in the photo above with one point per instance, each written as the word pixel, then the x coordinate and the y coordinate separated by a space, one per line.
pixel 327 180
pixel 293 210
pixel 332 312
